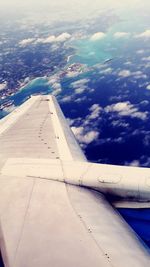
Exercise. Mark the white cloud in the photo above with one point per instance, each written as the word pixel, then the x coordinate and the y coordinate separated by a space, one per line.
pixel 56 85
pixel 71 74
pixel 148 87
pixel 53 79
pixel 144 103
pixel 146 140
pixel 63 37
pixel 80 99
pixel 3 86
pixel 66 99
pixel 126 109
pixel 47 40
pixel 145 161
pixel 86 129
pixel 139 75
pixel 93 117
pixel 124 73
pixel 60 38
pixel 141 51
pixel 98 36
pixel 54 47
pixel 85 137
pixel 120 123
pixel 80 90
pixel 53 39
pixel 26 42
pixel 127 73
pixel 79 83
pixel 80 86
pixel 57 91
pixel 70 121
pixel 107 71
pixel 134 163
pixel 118 35
pixel 145 34
pixel 128 63
pixel 147 65
pixel 95 112
pixel 146 58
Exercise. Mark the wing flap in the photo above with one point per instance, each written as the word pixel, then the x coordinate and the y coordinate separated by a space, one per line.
pixel 40 227
pixel 112 234
pixel 48 223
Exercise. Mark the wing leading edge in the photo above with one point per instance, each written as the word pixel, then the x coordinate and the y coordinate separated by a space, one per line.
pixel 45 222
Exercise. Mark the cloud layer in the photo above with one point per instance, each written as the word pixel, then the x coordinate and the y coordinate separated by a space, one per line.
pixel 98 36
pixel 48 40
pixel 126 109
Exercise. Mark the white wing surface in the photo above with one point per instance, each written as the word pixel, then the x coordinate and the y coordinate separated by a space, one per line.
pixel 47 223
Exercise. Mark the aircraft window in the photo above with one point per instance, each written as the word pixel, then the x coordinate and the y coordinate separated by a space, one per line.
pixel 1 261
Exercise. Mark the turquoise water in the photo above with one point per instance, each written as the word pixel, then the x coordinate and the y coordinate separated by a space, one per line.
pixel 90 52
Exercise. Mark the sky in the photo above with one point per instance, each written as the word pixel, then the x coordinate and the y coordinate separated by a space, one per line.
pixel 68 9
pixel 74 4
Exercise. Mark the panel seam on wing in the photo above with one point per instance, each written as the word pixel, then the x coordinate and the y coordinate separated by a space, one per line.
pixel 88 229
pixel 25 216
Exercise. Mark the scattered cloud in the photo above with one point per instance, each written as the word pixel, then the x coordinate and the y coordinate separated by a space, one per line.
pixel 26 42
pixel 134 163
pixel 80 86
pixel 86 129
pixel 79 83
pixel 126 109
pixel 144 103
pixel 141 51
pixel 95 110
pixel 147 65
pixel 85 137
pixel 124 73
pixel 80 99
pixel 144 161
pixel 107 71
pixel 57 91
pixel 80 90
pixel 148 87
pixel 63 37
pixel 53 79
pixel 52 38
pixel 119 35
pixel 145 34
pixel 146 58
pixel 128 63
pixel 98 36
pixel 54 82
pixel 48 40
pixel 139 75
pixel 3 86
pixel 72 74
pixel 146 140
pixel 66 99
pixel 120 123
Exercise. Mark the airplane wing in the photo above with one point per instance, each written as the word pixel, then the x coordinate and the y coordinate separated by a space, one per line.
pixel 45 222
